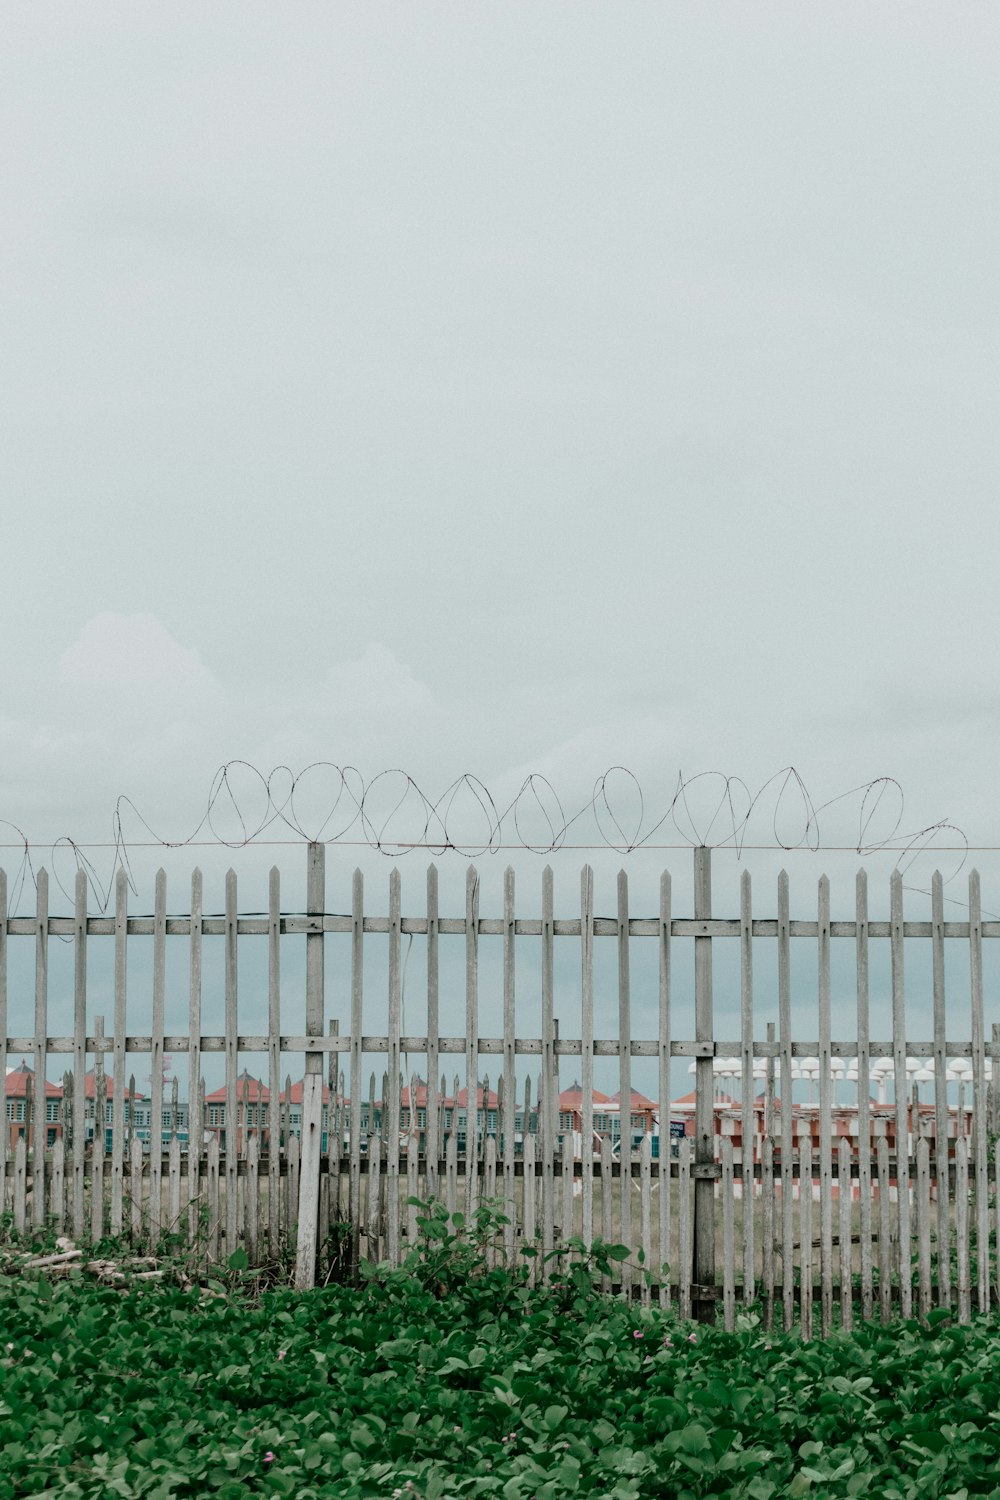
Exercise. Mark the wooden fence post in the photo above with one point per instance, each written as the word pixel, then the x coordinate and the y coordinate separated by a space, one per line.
pixel 705 1168
pixel 312 1085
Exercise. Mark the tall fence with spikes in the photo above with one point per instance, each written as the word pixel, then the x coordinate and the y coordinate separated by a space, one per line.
pixel 809 1211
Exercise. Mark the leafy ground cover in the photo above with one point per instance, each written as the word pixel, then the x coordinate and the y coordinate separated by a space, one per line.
pixel 449 1379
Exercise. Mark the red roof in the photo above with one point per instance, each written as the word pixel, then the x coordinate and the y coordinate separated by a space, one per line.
pixel 248 1087
pixel 295 1097
pixel 572 1098
pixel 17 1083
pixel 463 1099
pixel 89 1086
pixel 639 1101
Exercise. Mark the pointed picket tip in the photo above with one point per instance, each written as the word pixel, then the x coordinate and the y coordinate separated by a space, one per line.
pixel 161 876
pixel 357 873
pixel 230 876
pixel 274 873
pixel 547 873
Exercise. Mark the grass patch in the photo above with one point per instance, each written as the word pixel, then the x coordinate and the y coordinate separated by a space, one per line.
pixel 448 1378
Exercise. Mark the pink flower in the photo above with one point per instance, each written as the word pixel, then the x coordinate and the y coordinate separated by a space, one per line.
pixel 282 1353
pixel 668 1340
pixel 637 1333
pixel 269 1457
pixel 692 1338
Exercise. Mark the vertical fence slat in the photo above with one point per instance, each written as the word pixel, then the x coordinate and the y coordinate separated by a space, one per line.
pixel 805 1236
pixel 607 1198
pixel 864 1094
pixel 212 1198
pixel 825 1112
pixel 273 1061
pixel 311 1143
pixel 704 1108
pixel 78 1118
pixel 174 1165
pixel 391 1104
pixel 118 1055
pixel 785 1036
pixel 979 1135
pixel 884 1231
pixel 844 1232
pixel 195 1095
pixel 645 1214
pixel 357 997
pixel 99 1141
pixel 923 1227
pixel 548 1094
pixel 665 1147
pixel 506 1116
pixel 746 1070
pixel 625 1070
pixel 38 1133
pixel 433 1137
pixel 728 1238
pixel 156 1058
pixel 767 1188
pixel 231 1186
pixel 471 1038
pixel 135 1186
pixel 899 1062
pixel 941 1112
pixel 587 1047
pixel 962 1228
pixel 685 1253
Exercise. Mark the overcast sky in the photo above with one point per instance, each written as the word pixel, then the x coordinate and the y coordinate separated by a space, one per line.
pixel 499 389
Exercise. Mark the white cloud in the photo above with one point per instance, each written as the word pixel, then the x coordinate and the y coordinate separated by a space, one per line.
pixel 115 650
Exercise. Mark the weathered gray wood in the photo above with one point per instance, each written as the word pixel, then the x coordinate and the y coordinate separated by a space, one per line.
pixel 645 1214
pixel 587 1047
pixel 213 1209
pixel 665 1137
pixel 174 1177
pixel 607 1198
pixel 884 1232
pixel 78 1120
pixel 118 1055
pixel 252 1198
pixel 844 1232
pixel 785 1035
pixel 57 1197
pixel 156 1057
pixel 39 1123
pixel 767 1192
pixel 941 1113
pixel 625 1071
pixel 98 1146
pixel 962 1266
pixel 548 1093
pixel 685 1255
pixel 899 1061
pixel 747 1081
pixel 529 1229
pixel 357 997
pixel 509 1080
pixel 433 1136
pixel 413 1162
pixel 825 1113
pixel 979 1132
pixel 566 1188
pixel 311 1144
pixel 805 1237
pixel 196 1094
pixel 391 1104
pixel 232 1069
pixel 864 1095
pixel 728 1238
pixel 471 1038
pixel 20 1183
pixel 451 1165
pixel 293 1155
pixel 923 1207
pixel 135 1190
pixel 274 1062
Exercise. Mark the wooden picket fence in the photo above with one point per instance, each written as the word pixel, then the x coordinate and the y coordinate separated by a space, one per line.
pixel 784 1219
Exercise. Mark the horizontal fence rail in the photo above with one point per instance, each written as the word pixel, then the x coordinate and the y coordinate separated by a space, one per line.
pixel 806 1212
